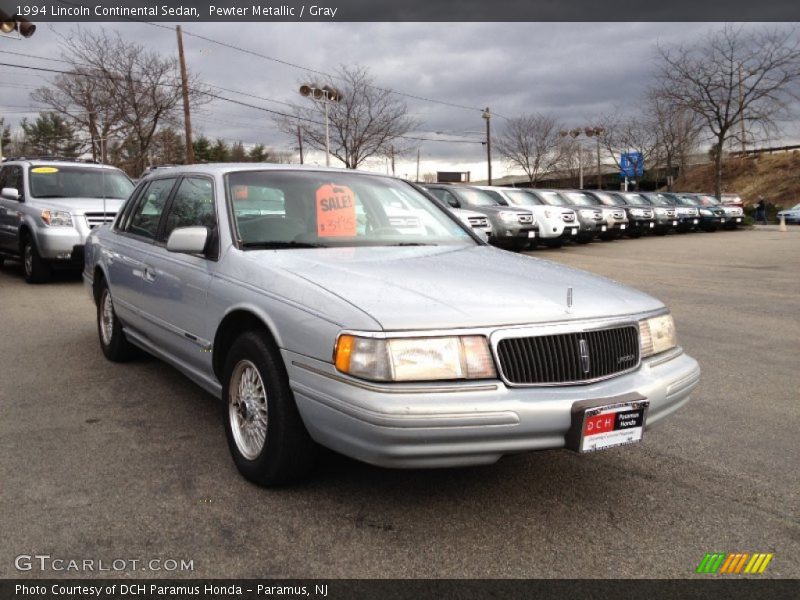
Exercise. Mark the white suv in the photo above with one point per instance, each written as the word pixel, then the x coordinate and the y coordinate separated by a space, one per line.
pixel 49 206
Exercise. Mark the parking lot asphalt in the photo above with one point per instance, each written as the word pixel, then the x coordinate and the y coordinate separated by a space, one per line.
pixel 106 461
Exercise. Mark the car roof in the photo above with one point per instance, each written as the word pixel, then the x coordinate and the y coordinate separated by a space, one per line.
pixel 223 168
pixel 59 162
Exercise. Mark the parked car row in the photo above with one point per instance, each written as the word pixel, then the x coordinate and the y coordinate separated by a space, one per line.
pixel 581 216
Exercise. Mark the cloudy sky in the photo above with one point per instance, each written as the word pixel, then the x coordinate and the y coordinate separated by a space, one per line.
pixel 574 71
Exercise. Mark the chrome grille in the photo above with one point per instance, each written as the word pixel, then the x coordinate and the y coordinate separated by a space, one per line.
pixel 525 218
pixel 478 221
pixel 568 217
pixel 671 213
pixel 619 214
pixel 97 218
pixel 568 357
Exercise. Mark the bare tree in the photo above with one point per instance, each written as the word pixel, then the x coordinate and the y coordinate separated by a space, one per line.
pixel 367 121
pixel 531 142
pixel 572 157
pixel 677 129
pixel 118 89
pixel 733 77
pixel 625 133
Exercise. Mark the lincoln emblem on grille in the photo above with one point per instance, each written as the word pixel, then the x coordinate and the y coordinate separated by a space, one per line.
pixel 584 350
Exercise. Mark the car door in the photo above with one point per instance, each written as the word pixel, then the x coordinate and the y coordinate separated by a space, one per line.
pixel 129 251
pixel 176 284
pixel 10 177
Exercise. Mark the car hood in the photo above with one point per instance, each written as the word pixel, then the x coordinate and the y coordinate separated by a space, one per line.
pixel 443 287
pixel 79 206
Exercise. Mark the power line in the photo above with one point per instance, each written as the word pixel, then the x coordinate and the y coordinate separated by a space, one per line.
pixel 294 65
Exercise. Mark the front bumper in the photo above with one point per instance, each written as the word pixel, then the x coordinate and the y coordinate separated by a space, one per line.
pixel 456 424
pixel 59 243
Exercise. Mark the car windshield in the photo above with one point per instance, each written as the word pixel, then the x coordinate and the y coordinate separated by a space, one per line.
pixel 552 198
pixel 302 209
pixel 707 200
pixel 78 182
pixel 581 199
pixel 496 196
pixel 522 198
pixel 634 199
pixel 610 199
pixel 688 200
pixel 659 200
pixel 474 197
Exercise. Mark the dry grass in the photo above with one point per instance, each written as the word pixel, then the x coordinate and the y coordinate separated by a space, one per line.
pixel 775 176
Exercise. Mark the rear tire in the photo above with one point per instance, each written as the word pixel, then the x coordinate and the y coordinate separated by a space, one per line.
pixel 266 435
pixel 114 344
pixel 34 267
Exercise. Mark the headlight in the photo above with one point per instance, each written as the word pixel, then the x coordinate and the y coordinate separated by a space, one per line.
pixel 509 217
pixel 56 218
pixel 705 212
pixel 414 359
pixel 587 213
pixel 657 335
pixel 637 212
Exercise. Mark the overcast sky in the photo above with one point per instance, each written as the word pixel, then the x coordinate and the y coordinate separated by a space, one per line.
pixel 574 71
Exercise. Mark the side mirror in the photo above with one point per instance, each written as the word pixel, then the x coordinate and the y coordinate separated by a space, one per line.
pixel 188 240
pixel 10 193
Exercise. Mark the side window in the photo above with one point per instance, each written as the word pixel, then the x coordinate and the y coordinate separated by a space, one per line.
pixel 147 214
pixel 127 208
pixel 192 206
pixel 11 177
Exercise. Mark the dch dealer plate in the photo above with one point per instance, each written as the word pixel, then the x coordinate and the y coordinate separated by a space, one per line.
pixel 605 423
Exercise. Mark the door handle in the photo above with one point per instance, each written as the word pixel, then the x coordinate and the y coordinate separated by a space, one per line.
pixel 149 274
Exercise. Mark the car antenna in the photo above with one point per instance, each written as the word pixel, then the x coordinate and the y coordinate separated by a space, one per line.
pixel 103 176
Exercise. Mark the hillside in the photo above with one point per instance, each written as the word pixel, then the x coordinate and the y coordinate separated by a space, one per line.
pixel 776 176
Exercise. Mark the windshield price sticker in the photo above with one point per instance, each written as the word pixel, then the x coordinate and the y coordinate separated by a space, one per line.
pixel 336 211
pixel 241 192
pixel 44 170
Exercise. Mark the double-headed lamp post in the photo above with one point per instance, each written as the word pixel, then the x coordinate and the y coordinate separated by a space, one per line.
pixel 589 132
pixel 326 94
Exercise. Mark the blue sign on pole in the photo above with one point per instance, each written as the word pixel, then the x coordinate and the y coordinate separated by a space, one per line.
pixel 631 165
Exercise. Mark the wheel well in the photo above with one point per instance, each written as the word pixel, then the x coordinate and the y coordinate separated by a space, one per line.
pixel 232 326
pixel 24 233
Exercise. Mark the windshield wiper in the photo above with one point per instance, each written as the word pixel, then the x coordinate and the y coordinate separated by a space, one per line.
pixel 268 245
pixel 412 244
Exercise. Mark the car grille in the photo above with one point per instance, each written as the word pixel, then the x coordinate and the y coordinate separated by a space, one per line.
pixel 619 215
pixel 568 217
pixel 478 222
pixel 569 357
pixel 647 213
pixel 97 218
pixel 404 221
pixel 671 213
pixel 598 216
pixel 525 219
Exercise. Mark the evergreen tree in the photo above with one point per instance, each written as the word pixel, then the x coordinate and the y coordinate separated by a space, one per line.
pixel 51 135
pixel 220 151
pixel 238 153
pixel 202 149
pixel 257 153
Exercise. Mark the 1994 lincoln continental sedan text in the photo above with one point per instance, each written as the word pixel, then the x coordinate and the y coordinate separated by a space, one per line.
pixel 303 299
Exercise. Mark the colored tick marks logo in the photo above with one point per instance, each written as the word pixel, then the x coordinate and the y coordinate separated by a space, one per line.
pixel 721 563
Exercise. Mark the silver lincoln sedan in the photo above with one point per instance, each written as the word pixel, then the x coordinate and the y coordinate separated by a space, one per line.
pixel 292 294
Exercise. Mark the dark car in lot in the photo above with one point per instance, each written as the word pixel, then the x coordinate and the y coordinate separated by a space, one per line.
pixel 512 228
pixel 641 217
pixel 616 217
pixel 734 215
pixel 711 217
pixel 688 216
pixel 590 218
pixel 666 215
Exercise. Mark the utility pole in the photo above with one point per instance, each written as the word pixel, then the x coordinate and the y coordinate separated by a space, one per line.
pixel 488 116
pixel 300 143
pixel 391 150
pixel 187 119
pixel 417 180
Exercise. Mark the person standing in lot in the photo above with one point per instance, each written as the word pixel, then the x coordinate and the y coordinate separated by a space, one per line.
pixel 761 211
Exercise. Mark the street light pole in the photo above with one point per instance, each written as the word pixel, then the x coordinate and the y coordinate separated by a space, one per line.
pixel 327 134
pixel 488 116
pixel 326 94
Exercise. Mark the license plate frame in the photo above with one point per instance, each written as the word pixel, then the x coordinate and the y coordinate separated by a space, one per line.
pixel 611 422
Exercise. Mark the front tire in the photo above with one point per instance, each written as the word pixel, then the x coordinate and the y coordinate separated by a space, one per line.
pixel 33 265
pixel 266 435
pixel 113 342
